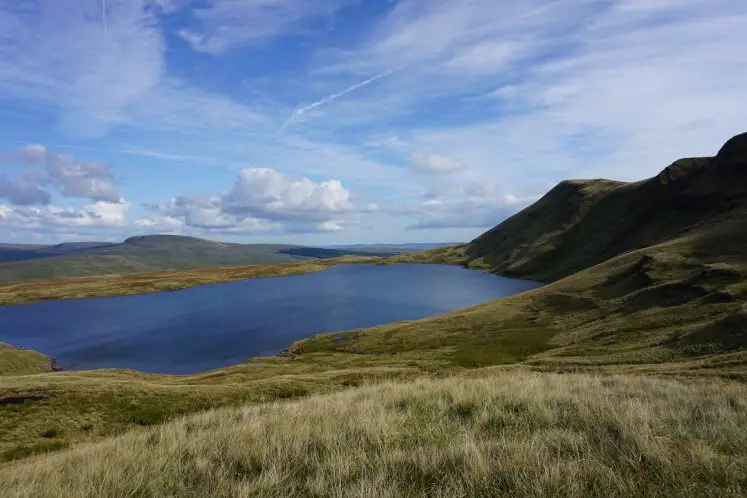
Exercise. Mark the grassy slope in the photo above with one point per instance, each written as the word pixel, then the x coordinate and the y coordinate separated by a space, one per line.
pixel 143 254
pixel 682 298
pixel 15 361
pixel 157 253
pixel 490 433
pixel 581 223
pixel 675 307
pixel 144 283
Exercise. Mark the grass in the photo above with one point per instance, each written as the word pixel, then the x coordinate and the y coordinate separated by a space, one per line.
pixel 148 282
pixel 660 291
pixel 488 433
pixel 581 223
pixel 153 254
pixel 93 405
pixel 15 361
pixel 613 317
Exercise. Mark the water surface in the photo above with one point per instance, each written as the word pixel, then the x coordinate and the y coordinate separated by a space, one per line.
pixel 212 326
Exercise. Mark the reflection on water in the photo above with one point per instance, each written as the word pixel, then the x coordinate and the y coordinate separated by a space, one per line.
pixel 208 327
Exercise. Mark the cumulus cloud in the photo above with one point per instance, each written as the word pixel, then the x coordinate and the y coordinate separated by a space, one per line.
pixel 435 164
pixel 263 200
pixel 266 193
pixel 97 215
pixel 70 177
pixel 23 192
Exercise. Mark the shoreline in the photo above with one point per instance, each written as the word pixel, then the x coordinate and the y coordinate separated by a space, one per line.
pixel 31 291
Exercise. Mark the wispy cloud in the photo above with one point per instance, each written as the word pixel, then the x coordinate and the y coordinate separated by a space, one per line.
pixel 526 93
pixel 225 24
pixel 334 96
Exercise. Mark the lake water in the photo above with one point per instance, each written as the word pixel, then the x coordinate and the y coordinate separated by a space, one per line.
pixel 203 328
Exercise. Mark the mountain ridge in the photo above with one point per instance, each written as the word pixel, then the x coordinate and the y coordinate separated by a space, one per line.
pixel 151 253
pixel 675 307
pixel 580 223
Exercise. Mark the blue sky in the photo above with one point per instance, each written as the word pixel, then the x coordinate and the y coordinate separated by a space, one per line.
pixel 346 121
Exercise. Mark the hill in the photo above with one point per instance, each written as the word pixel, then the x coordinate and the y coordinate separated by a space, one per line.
pixel 492 433
pixel 581 223
pixel 644 272
pixel 669 298
pixel 149 254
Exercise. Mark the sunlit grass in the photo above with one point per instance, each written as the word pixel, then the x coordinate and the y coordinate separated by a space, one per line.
pixel 489 433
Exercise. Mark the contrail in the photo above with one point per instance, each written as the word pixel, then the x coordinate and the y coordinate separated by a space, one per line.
pixel 103 16
pixel 329 98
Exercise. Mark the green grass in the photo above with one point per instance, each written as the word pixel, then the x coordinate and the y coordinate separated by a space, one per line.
pixel 15 361
pixel 157 253
pixel 646 278
pixel 489 433
pixel 91 405
pixel 581 223
pixel 148 282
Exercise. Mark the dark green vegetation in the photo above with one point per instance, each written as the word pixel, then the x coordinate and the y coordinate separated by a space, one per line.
pixel 581 223
pixel 22 252
pixel 150 254
pixel 663 269
pixel 647 277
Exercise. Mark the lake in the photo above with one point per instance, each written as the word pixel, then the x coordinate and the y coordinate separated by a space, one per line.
pixel 213 326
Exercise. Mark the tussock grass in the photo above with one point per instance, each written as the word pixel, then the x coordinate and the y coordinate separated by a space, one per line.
pixel 487 433
pixel 45 412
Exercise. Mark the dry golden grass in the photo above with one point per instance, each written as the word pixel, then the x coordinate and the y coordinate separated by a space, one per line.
pixel 16 361
pixel 149 282
pixel 485 433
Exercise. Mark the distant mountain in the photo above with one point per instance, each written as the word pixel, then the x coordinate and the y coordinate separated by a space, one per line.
pixel 148 253
pixel 21 252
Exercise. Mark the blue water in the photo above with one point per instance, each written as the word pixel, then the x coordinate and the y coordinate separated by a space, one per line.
pixel 203 328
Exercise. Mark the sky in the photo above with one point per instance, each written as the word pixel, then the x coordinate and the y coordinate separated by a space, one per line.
pixel 328 122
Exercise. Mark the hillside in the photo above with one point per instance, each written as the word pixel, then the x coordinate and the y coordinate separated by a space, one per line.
pixel 492 433
pixel 663 275
pixel 149 254
pixel 581 223
pixel 669 298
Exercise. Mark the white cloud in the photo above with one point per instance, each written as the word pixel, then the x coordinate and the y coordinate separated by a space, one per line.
pixel 263 200
pixel 466 213
pixel 528 91
pixel 23 192
pixel 225 24
pixel 488 57
pixel 95 77
pixel 616 89
pixel 70 177
pixel 100 215
pixel 464 203
pixel 269 193
pixel 435 164
pixel 87 70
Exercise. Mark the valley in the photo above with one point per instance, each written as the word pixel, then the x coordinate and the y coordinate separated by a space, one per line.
pixel 624 374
